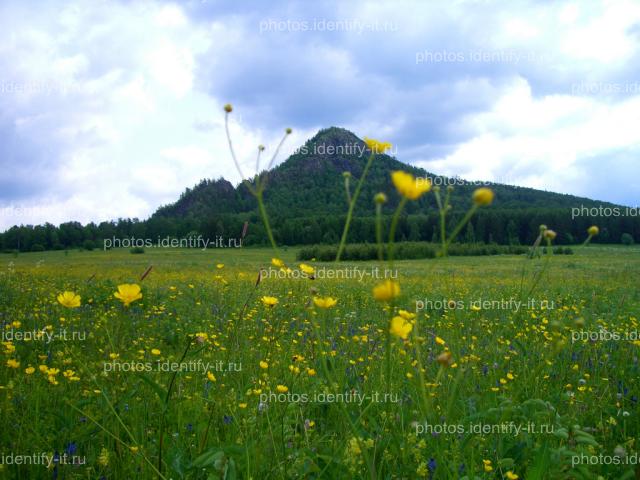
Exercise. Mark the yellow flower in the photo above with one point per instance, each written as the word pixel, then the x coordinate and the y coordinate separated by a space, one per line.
pixel 400 327
pixel 311 372
pixel 242 405
pixel 264 365
pixel 354 447
pixel 134 449
pixel 220 265
pixel 228 108
pixel 282 389
pixel 487 465
pixel 155 351
pixel 308 269
pixel 211 377
pixel 483 196
pixel 127 293
pixel 326 302
pixel 408 186
pixel 29 370
pixel 440 341
pixel 512 476
pixel 386 290
pixel 549 234
pixel 269 301
pixel 103 458
pixel 593 231
pixel 445 359
pixel 276 262
pixel 407 315
pixel 375 146
pixel 12 363
pixel 69 299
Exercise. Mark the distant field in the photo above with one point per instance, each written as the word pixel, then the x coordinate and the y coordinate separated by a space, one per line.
pixel 535 389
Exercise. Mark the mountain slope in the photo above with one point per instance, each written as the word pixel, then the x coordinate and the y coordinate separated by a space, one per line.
pixel 310 182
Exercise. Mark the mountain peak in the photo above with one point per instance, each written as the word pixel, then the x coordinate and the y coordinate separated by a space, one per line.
pixel 331 150
pixel 334 142
pixel 336 136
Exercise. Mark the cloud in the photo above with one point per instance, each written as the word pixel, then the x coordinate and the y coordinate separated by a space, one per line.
pixel 111 109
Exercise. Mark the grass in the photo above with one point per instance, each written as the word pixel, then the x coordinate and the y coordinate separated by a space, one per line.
pixel 507 369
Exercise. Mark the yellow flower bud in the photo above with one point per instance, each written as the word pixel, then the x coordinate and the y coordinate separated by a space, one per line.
pixel 380 198
pixel 483 196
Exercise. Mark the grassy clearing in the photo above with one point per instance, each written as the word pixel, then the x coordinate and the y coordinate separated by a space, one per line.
pixel 521 391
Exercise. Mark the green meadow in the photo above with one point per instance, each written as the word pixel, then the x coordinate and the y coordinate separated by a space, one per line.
pixel 510 368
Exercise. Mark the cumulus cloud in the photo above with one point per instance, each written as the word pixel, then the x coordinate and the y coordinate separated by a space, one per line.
pixel 110 109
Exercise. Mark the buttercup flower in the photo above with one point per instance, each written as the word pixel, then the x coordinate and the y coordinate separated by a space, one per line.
pixel 483 196
pixel 276 262
pixel 269 301
pixel 308 269
pixel 282 389
pixel 128 293
pixel 445 359
pixel 69 300
pixel 12 363
pixel 408 186
pixel 407 315
pixel 264 364
pixel 549 234
pixel 593 231
pixel 375 146
pixel 326 302
pixel 400 327
pixel 386 290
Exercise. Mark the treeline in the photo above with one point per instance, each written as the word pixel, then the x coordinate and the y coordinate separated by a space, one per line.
pixel 490 226
pixel 407 251
pixel 416 250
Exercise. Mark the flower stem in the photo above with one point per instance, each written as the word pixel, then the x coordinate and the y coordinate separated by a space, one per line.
pixel 354 199
pixel 265 220
pixel 392 230
pixel 379 232
pixel 458 229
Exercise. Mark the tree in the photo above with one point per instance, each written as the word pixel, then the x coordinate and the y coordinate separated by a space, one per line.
pixel 470 234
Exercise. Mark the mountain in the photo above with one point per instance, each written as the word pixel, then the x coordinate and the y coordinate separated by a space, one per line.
pixel 306 201
pixel 310 182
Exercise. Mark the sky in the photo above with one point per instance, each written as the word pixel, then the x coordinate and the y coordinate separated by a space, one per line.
pixel 111 109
